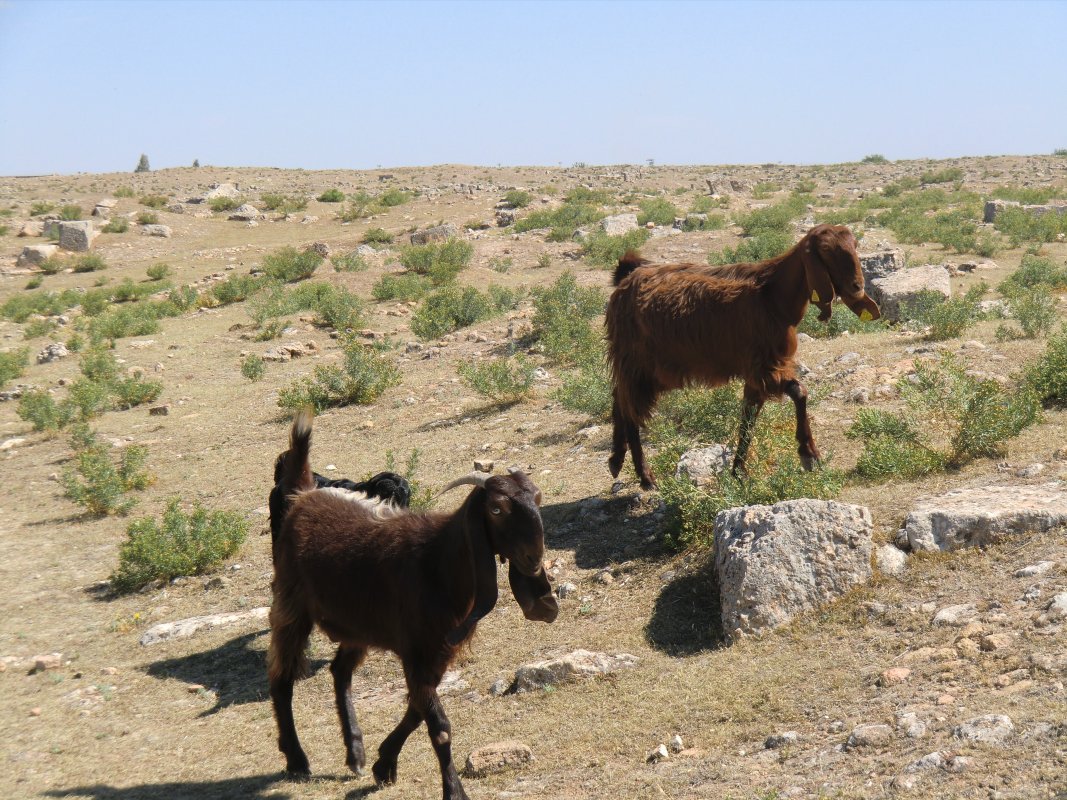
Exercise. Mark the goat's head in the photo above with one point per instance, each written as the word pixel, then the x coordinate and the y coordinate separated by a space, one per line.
pixel 512 518
pixel 832 265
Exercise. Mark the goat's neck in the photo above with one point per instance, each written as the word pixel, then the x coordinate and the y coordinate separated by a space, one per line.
pixel 475 562
pixel 789 292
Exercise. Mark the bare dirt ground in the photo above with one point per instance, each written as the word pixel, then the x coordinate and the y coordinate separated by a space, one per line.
pixel 190 718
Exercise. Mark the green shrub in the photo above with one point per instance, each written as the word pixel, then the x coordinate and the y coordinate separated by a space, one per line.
pixel 97 482
pixel 53 265
pixel 764 189
pixel 453 307
pixel 947 318
pixel 393 197
pixel 562 314
pixel 705 203
pixel 365 374
pixel 544 261
pixel 657 210
pixel 587 389
pixel 517 198
pixel 1060 151
pixel 41 207
pixel 774 471
pixel 892 447
pixel 40 409
pixel 360 205
pixel 181 544
pixel 158 272
pixel 777 218
pixel 124 191
pixel 1028 195
pixel 36 328
pixel 875 158
pixel 1034 273
pixel 1019 225
pixel 350 262
pixel 947 175
pixel 147 218
pixel 605 251
pixel 1035 311
pixel 502 380
pixel 401 286
pixel 422 496
pixel 760 246
pixel 332 196
pixel 441 262
pixel 225 203
pixel 118 323
pixel 134 391
pixel 13 364
pixel 804 187
pixel 34 282
pixel 334 306
pixel 90 262
pixel 1047 376
pixel 236 288
pixel 117 225
pixel 70 213
pixel 374 236
pixel 286 204
pixel 153 200
pixel 253 368
pixel 710 222
pixel 565 219
pixel 19 308
pixel 501 264
pixel 289 265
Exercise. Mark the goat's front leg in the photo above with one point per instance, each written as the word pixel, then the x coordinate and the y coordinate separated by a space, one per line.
pixel 289 634
pixel 753 402
pixel 440 730
pixel 346 660
pixel 384 768
pixel 618 440
pixel 809 453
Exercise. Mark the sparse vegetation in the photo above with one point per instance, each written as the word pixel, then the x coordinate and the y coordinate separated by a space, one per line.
pixel 286 204
pixel 97 482
pixel 875 158
pixel 289 265
pixel 1047 376
pixel 332 196
pixel 377 236
pixel 440 262
pixel 116 225
pixel 406 286
pixel 13 364
pixel 349 262
pixel 562 313
pixel 124 191
pixel 582 207
pixel 1020 226
pixel 517 198
pixel 502 380
pixel 90 262
pixel 41 207
pixel 605 251
pixel 365 374
pixel 155 201
pixel 453 307
pixel 947 318
pixel 657 210
pixel 253 368
pixel 947 175
pixel 147 218
pixel 180 544
pixel 70 213
pixel 158 272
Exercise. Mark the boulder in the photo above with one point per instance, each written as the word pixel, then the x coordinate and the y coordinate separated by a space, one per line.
pixel 76 236
pixel 881 264
pixel 979 516
pixel 246 213
pixel 32 228
pixel 438 233
pixel 184 628
pixel 54 352
pixel 619 224
pixel 505 217
pixel 571 668
pixel 774 562
pixel 34 254
pixel 897 288
pixel 994 207
pixel 497 757
pixel 218 190
pixel 156 230
pixel 102 211
pixel 993 729
pixel 702 464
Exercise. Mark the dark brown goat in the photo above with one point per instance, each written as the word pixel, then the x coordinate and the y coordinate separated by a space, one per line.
pixel 671 325
pixel 370 575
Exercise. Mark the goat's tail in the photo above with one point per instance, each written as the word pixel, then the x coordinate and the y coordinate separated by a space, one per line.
pixel 296 471
pixel 630 261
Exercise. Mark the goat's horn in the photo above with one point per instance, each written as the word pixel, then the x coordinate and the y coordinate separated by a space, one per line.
pixel 473 479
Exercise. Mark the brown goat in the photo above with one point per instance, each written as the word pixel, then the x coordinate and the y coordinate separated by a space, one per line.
pixel 672 325
pixel 371 575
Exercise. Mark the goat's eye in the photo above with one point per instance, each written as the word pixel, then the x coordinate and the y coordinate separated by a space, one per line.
pixel 495 510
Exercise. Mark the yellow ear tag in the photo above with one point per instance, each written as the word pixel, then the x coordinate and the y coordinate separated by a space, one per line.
pixel 866 315
pixel 814 296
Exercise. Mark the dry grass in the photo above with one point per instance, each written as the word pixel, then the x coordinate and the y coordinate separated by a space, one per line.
pixel 120 721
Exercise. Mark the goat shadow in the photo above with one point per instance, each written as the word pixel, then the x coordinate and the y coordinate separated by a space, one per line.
pixel 601 531
pixel 253 787
pixel 687 616
pixel 236 671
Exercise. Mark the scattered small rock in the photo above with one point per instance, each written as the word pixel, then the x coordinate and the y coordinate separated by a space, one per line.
pixel 995 729
pixel 869 736
pixel 779 740
pixel 657 755
pixel 956 615
pixel 46 661
pixel 497 757
pixel 1032 571
pixel 574 666
pixel 893 676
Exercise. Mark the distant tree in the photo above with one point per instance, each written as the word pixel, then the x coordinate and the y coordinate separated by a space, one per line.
pixel 196 162
pixel 142 165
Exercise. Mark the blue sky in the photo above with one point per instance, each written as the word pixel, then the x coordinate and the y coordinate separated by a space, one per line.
pixel 89 86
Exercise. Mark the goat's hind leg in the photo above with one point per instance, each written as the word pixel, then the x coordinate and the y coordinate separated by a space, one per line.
pixel 286 663
pixel 384 768
pixel 440 730
pixel 806 449
pixel 618 440
pixel 753 402
pixel 346 660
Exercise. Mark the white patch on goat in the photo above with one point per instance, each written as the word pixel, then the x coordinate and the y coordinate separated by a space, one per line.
pixel 380 509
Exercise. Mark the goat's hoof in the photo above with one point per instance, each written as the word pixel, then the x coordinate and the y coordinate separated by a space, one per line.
pixel 356 760
pixel 298 768
pixel 384 773
pixel 648 484
pixel 809 462
pixel 615 466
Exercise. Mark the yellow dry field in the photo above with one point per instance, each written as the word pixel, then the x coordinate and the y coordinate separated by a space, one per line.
pixel 190 718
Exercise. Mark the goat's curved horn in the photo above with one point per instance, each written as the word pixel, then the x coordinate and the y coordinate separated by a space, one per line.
pixel 473 479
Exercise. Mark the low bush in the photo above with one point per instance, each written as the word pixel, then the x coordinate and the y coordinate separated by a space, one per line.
pixel 13 364
pixel 657 210
pixel 140 319
pixel 253 368
pixel 286 204
pixel 404 286
pixel 946 319
pixel 1020 226
pixel 841 321
pixel 365 374
pixel 758 247
pixel 158 272
pixel 36 328
pixel 349 262
pixel 147 218
pixel 1047 376
pixel 564 220
pixel 441 262
pixel 562 313
pixel 53 265
pixel 1035 311
pixel 502 380
pixel 517 198
pixel 875 158
pixel 332 196
pixel 90 262
pixel 97 482
pixel 709 222
pixel 221 204
pixel 947 175
pixel 20 307
pixel 373 236
pixel 180 544
pixel 124 191
pixel 70 213
pixel 1034 272
pixel 453 307
pixel 605 251
pixel 587 389
pixel 289 264
pixel 777 218
pixel 155 201
pixel 235 289
pixel 764 189
pixel 34 283
pixel 41 207
pixel 393 197
pixel 116 225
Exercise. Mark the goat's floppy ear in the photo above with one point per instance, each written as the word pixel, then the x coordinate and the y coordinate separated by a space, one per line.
pixel 818 276
pixel 533 594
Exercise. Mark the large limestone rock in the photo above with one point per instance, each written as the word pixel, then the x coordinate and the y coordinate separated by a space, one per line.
pixel 438 233
pixel 34 254
pixel 619 224
pixel 571 668
pixel 497 757
pixel 218 190
pixel 184 628
pixel 32 228
pixel 881 264
pixel 982 515
pixel 156 230
pixel 993 208
pixel 246 213
pixel 76 236
pixel 897 288
pixel 775 562
pixel 702 464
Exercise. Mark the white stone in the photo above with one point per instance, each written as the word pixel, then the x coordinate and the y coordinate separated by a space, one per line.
pixel 956 616
pixel 995 729
pixel 774 562
pixel 897 288
pixel 497 757
pixel 575 666
pixel 890 560
pixel 34 254
pixel 619 224
pixel 184 628
pixel 703 463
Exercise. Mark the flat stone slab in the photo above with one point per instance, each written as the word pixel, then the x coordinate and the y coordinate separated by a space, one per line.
pixel 893 291
pixel 982 515
pixel 497 757
pixel 774 562
pixel 184 628
pixel 573 667
pixel 619 224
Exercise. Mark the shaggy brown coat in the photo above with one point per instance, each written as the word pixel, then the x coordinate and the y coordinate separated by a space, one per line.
pixel 672 325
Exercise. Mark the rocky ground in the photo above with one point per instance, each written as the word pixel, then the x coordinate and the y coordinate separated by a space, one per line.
pixel 935 674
